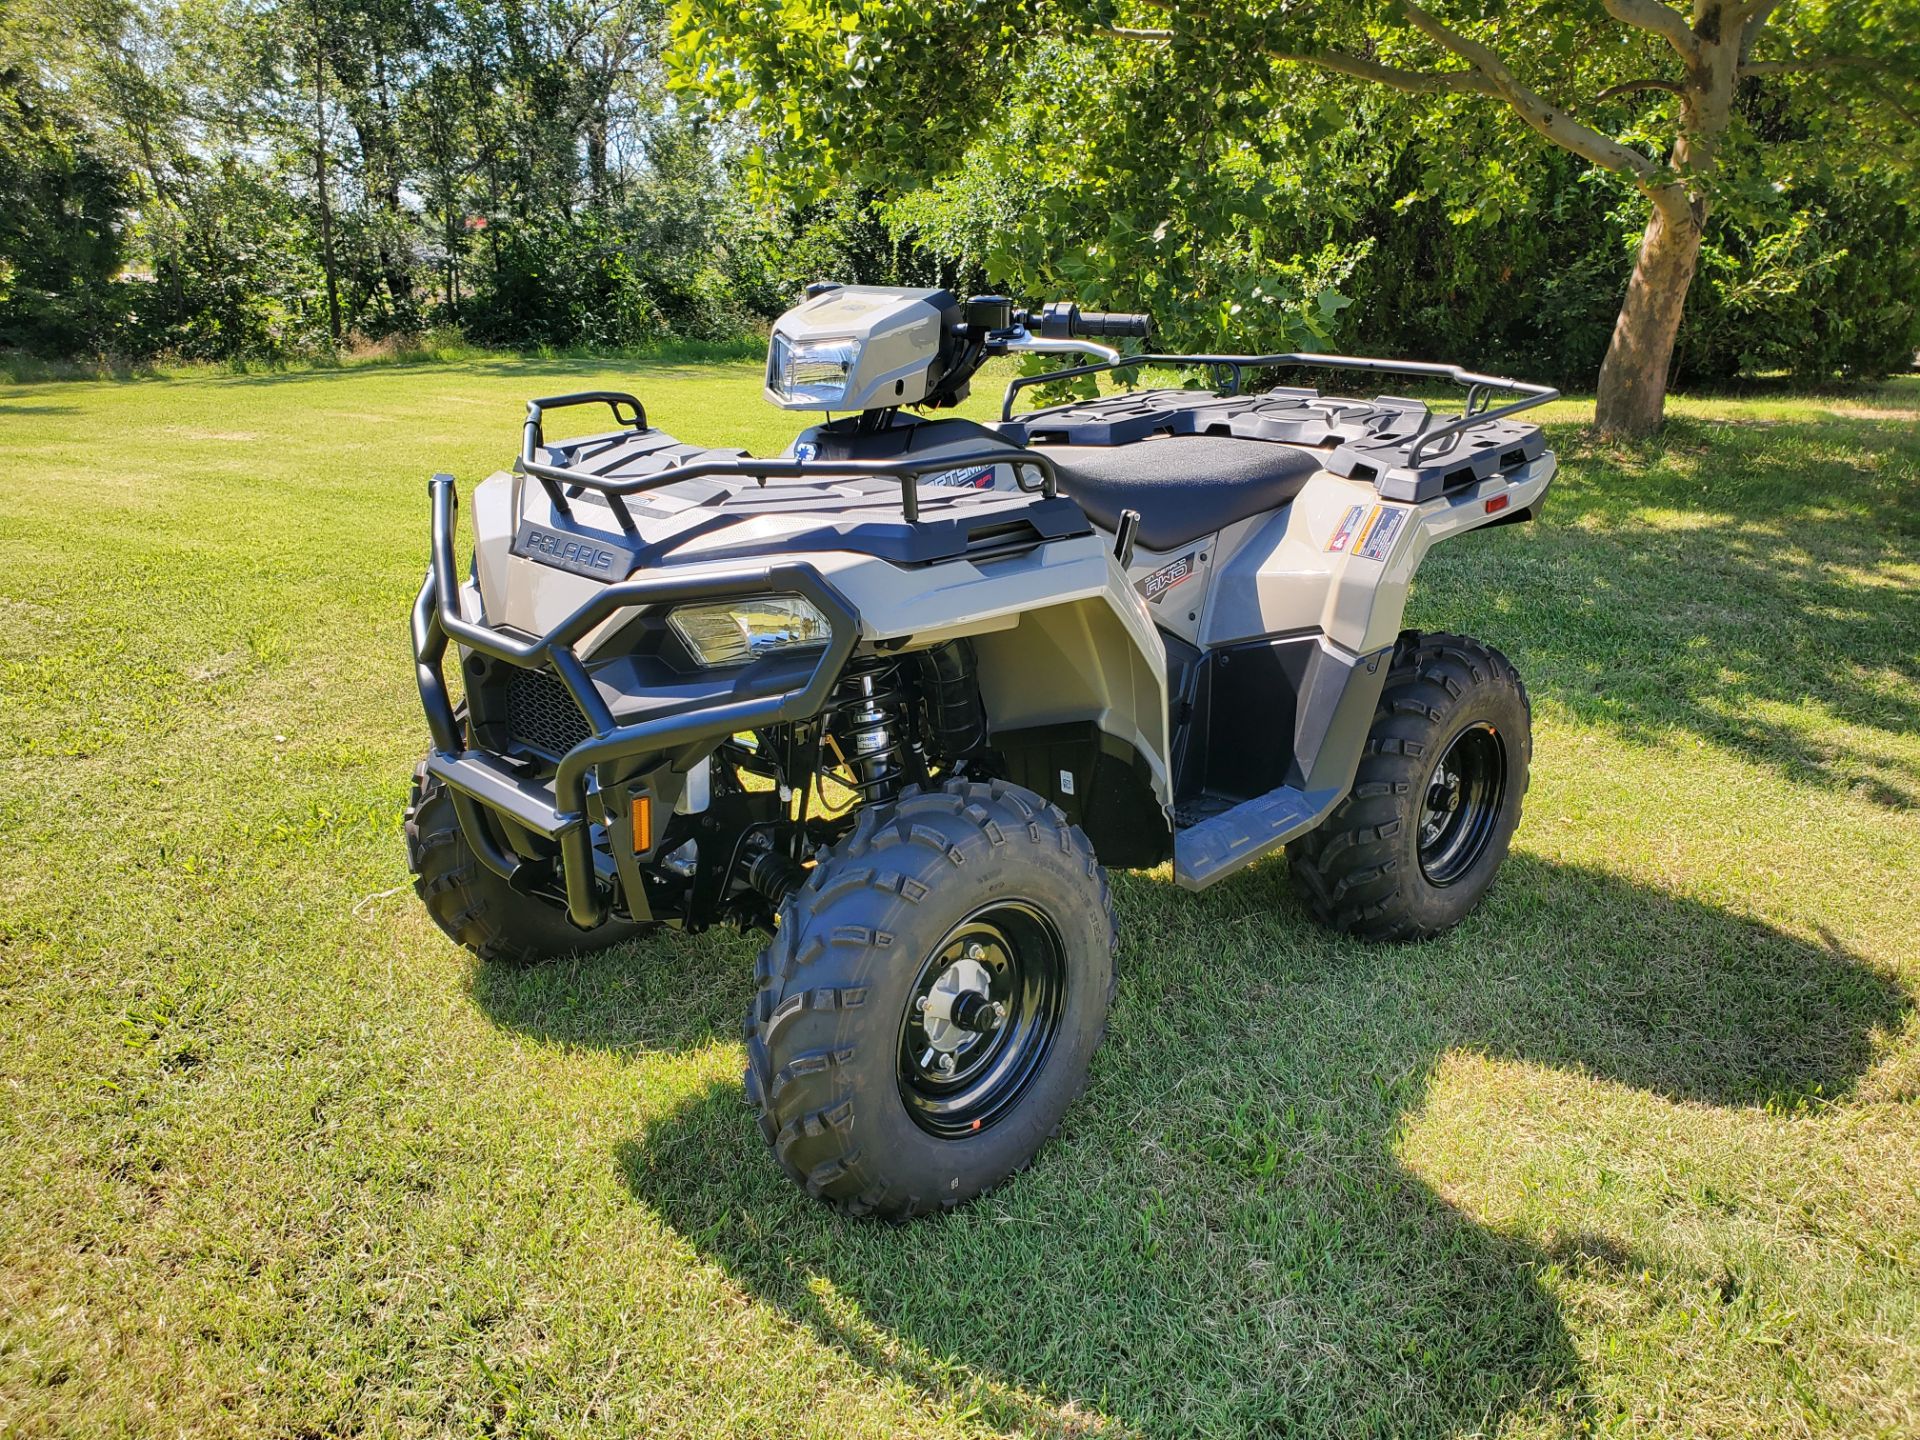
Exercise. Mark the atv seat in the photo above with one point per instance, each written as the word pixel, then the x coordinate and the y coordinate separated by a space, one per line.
pixel 1183 486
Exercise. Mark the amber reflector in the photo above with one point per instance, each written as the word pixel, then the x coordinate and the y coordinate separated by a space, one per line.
pixel 642 824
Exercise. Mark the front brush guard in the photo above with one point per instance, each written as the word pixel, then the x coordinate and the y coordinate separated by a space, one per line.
pixel 478 781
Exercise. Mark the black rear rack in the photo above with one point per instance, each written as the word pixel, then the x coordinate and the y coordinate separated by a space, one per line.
pixel 558 479
pixel 1478 409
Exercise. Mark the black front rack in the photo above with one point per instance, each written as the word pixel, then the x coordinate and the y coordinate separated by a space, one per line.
pixel 558 480
pixel 1477 411
pixel 480 780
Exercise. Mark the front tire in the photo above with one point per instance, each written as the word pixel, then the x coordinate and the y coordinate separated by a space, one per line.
pixel 474 906
pixel 928 1008
pixel 1436 798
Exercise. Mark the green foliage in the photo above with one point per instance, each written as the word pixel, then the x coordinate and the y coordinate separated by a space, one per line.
pixel 1168 156
pixel 220 173
pixel 1832 289
pixel 62 204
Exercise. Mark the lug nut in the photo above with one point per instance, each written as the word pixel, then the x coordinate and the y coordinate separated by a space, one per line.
pixel 945 1063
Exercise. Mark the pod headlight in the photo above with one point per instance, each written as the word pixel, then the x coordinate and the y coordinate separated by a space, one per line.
pixel 734 632
pixel 811 372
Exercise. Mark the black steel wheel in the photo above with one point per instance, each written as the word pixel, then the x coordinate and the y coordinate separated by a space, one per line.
pixel 981 1018
pixel 1435 799
pixel 1461 813
pixel 928 1008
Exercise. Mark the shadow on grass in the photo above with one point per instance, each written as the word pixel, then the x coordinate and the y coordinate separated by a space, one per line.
pixel 664 991
pixel 1224 1241
pixel 1753 587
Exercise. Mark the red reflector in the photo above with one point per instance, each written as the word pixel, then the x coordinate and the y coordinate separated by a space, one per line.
pixel 1497 504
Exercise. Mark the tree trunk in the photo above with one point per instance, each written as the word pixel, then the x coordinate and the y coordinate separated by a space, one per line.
pixel 320 175
pixel 1633 377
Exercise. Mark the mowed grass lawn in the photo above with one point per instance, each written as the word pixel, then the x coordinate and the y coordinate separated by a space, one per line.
pixel 1635 1151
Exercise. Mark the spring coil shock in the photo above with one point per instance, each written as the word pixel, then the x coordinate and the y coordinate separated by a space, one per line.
pixel 869 717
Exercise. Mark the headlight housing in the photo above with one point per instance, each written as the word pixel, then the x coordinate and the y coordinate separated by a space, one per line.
pixel 811 372
pixel 734 632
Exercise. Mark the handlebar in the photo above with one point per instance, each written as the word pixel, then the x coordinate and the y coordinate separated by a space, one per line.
pixel 1064 320
pixel 1113 322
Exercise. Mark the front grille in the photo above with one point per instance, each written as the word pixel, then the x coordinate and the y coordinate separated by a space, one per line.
pixel 541 713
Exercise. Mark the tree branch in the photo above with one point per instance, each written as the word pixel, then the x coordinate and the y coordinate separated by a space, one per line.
pixel 1752 19
pixel 1416 82
pixel 1657 18
pixel 1754 14
pixel 1634 87
pixel 1559 127
pixel 1817 62
pixel 1893 102
pixel 1129 32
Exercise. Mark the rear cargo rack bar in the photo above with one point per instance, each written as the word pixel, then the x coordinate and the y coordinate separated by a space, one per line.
pixel 558 478
pixel 1480 388
pixel 477 782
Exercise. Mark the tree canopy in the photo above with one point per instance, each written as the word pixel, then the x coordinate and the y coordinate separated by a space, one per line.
pixel 1143 108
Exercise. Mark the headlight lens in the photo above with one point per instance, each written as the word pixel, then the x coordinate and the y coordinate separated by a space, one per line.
pixel 736 631
pixel 812 372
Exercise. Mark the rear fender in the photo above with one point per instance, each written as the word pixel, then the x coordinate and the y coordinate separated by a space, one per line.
pixel 1340 560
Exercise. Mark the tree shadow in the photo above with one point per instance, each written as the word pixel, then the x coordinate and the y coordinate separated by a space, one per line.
pixel 1754 587
pixel 662 991
pixel 1224 1240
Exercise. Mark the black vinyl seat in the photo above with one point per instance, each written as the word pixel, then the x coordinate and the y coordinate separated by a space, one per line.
pixel 1183 486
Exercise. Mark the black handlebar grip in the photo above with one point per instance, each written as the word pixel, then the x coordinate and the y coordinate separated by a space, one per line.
pixel 1113 322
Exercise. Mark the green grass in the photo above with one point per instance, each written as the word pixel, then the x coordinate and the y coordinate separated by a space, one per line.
pixel 439 345
pixel 1635 1151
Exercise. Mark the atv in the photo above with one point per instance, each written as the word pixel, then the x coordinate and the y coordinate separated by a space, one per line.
pixel 902 696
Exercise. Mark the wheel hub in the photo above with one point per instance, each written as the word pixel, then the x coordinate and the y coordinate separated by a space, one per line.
pixel 959 1007
pixel 1443 798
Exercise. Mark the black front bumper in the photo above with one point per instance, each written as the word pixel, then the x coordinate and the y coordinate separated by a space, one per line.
pixel 563 810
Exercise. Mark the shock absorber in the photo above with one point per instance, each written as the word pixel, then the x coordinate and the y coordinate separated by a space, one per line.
pixel 870 720
pixel 950 701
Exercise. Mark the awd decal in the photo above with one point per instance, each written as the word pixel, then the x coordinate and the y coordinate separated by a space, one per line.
pixel 1152 587
pixel 1349 523
pixel 966 478
pixel 570 552
pixel 1382 527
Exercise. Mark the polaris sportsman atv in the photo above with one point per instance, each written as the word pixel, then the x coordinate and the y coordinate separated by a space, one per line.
pixel 903 695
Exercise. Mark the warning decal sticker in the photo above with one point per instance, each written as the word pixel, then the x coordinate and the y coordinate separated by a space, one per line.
pixel 1382 527
pixel 1348 524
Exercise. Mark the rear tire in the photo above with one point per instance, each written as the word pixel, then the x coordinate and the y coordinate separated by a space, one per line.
pixel 1412 849
pixel 975 897
pixel 474 906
